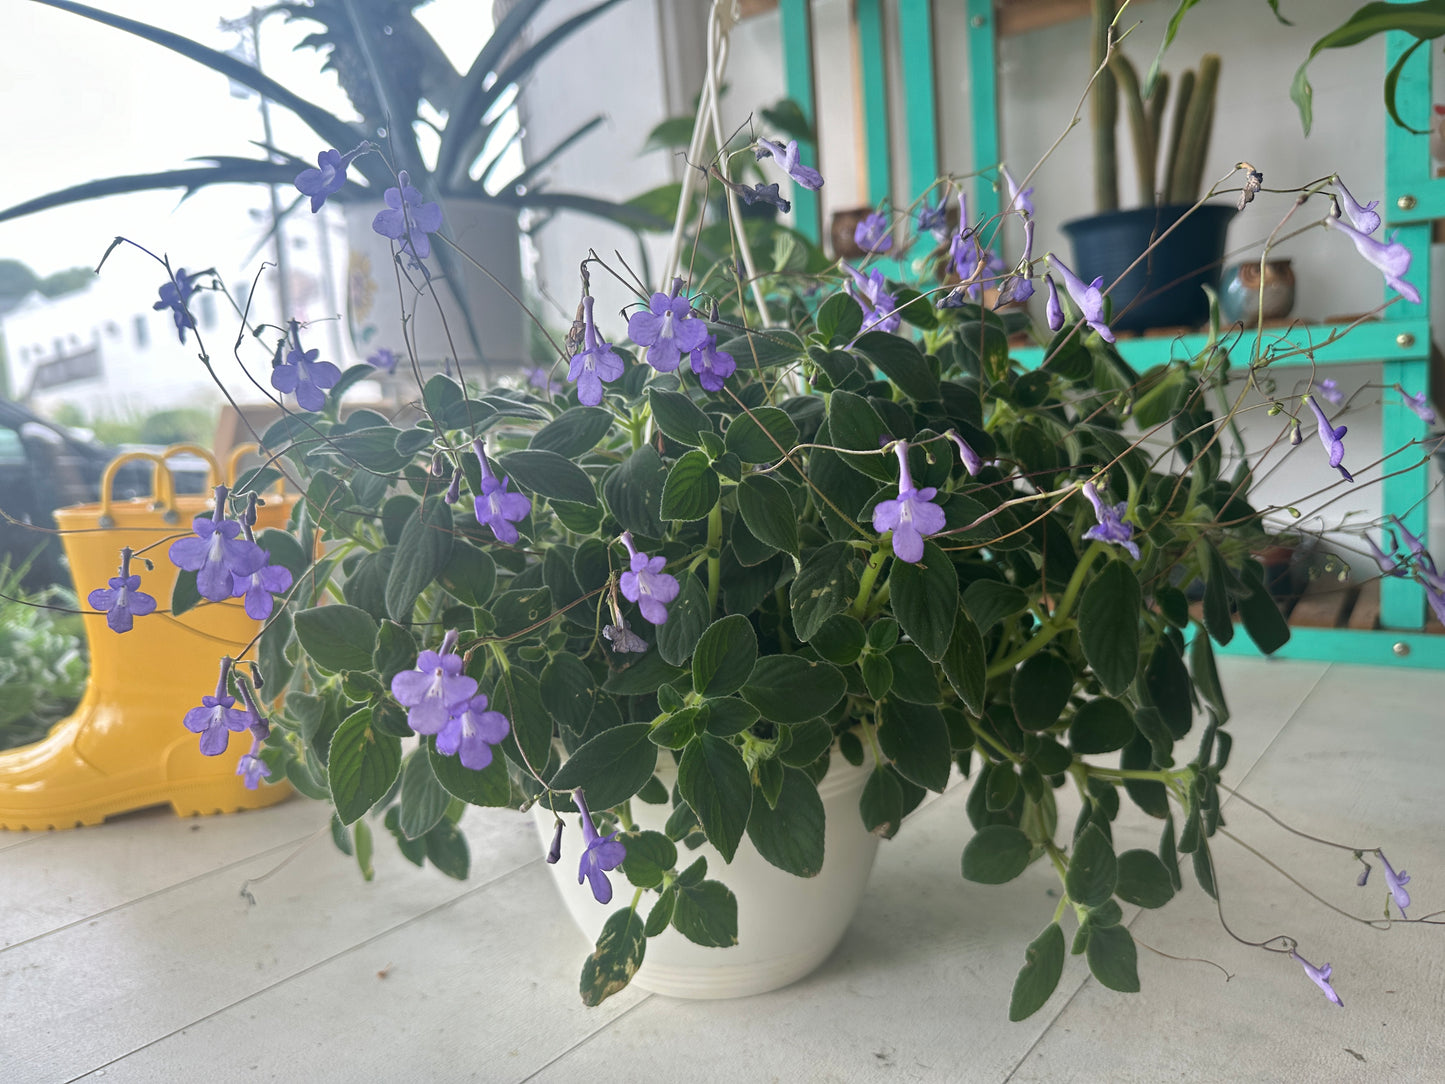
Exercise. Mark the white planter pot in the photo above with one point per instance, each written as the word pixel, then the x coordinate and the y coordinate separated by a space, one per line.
pixel 787 925
pixel 487 233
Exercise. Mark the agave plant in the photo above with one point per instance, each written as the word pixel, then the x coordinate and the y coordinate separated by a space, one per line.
pixel 386 75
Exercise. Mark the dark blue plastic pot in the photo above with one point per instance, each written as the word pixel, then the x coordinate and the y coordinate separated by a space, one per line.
pixel 1164 290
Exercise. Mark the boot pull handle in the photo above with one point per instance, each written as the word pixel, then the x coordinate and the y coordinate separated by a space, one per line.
pixel 163 487
pixel 213 471
pixel 233 466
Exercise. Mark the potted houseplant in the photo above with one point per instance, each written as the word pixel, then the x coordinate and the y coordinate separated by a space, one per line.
pixel 704 576
pixel 1162 288
pixel 389 66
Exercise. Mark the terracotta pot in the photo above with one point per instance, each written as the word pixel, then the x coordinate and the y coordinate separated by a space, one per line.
pixel 1240 291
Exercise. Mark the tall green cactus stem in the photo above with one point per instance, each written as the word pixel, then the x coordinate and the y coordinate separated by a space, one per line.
pixel 1104 111
pixel 1193 143
pixel 1157 102
pixel 1182 98
pixel 1146 151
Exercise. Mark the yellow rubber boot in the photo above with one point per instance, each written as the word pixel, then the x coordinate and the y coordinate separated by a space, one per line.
pixel 125 747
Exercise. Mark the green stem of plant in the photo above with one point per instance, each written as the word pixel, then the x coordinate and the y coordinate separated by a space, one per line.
pixel 1057 623
pixel 1076 581
pixel 866 581
pixel 992 742
pixel 499 655
pixel 871 733
pixel 714 555
pixel 1154 775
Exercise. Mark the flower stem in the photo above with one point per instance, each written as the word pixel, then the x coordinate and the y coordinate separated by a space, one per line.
pixel 714 556
pixel 865 582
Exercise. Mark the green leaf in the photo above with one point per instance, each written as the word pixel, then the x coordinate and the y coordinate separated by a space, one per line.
pixel 1113 958
pixel 686 620
pixel 996 854
pixel 372 448
pixel 660 917
pixel 1101 725
pixel 691 489
pixel 423 799
pixel 924 597
pixel 915 679
pixel 1217 584
pixel 727 715
pixel 839 639
pixel 646 675
pixel 1204 869
pixel 649 856
pixel 618 955
pixel 362 832
pixel 825 585
pixel 422 553
pixel 1143 880
pixel 518 696
pixel 762 436
pixel 839 320
pixel 633 492
pixel 678 416
pixel 548 474
pixel 881 804
pixel 186 594
pixel 965 662
pixel 337 637
pixel 572 433
pixel 1262 620
pixel 915 738
pixel 755 349
pixel 901 362
pixel 791 689
pixel 877 675
pixel 790 834
pixel 447 849
pixel 1109 625
pixel 706 914
pixel 1206 676
pixel 361 766
pixel 768 511
pixel 1039 977
pixel 1169 688
pixel 1040 689
pixel 714 782
pixel 1093 869
pixel 489 787
pixel 395 652
pixel 854 424
pixel 724 657
pixel 989 602
pixel 611 767
pixel 568 690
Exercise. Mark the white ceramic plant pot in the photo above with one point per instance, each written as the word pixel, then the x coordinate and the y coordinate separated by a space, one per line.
pixel 787 925
pixel 487 233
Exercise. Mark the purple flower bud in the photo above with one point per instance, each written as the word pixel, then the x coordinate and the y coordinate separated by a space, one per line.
pixel 1331 439
pixel 787 157
pixel 600 854
pixel 1331 391
pixel 454 490
pixel 554 852
pixel 595 364
pixel 1397 883
pixel 1053 309
pixel 1320 976
pixel 763 193
pixel 1388 565
pixel 1364 219
pixel 1088 297
pixel 1419 404
pixel 1017 200
pixel 971 461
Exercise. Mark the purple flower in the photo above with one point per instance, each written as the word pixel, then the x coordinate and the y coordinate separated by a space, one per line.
pixel 711 365
pixel 1020 287
pixel 217 717
pixel 435 689
pixel 667 328
pixel 646 584
pixel 1331 439
pixel 1424 564
pixel 217 553
pixel 540 377
pixel 383 359
pixel 1397 883
pixel 258 588
pixel 873 234
pixel 407 218
pixel 933 219
pixel 1392 258
pixel 496 508
pixel 971 461
pixel 595 364
pixel 1053 309
pixel 1089 298
pixel 1388 565
pixel 787 157
pixel 473 730
pixel 1320 976
pixel 174 296
pixel 601 853
pixel 303 374
pixel 328 178
pixel 252 768
pixel 1331 391
pixel 879 307
pixel 910 515
pixel 123 600
pixel 1419 404
pixel 554 852
pixel 763 193
pixel 1017 201
pixel 1363 218
pixel 1111 526
pixel 1436 597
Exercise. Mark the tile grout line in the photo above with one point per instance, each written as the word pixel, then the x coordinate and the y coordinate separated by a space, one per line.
pixel 582 1041
pixel 1088 976
pixel 283 980
pixel 160 891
